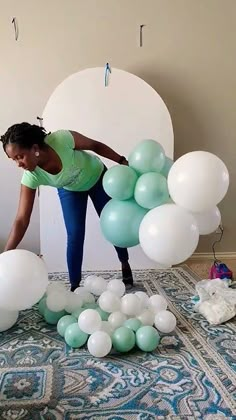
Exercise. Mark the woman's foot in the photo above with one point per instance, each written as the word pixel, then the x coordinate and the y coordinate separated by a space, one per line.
pixel 127 275
pixel 74 286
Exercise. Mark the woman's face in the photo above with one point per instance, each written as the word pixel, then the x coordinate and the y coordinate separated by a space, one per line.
pixel 26 159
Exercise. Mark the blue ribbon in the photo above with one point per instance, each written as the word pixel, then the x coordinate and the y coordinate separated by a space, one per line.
pixel 107 71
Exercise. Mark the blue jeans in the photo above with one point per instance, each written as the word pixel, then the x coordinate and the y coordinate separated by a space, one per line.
pixel 74 208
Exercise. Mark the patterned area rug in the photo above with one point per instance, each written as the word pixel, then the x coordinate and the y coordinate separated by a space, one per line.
pixel 190 376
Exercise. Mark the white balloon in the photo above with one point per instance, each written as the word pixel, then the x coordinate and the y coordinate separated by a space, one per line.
pixel 208 221
pixel 143 297
pixel 98 286
pixel 55 286
pixel 56 301
pixel 116 319
pixel 89 321
pixel 117 287
pixel 86 296
pixel 168 234
pixel 107 327
pixel 198 181
pixel 87 282
pixel 157 303
pixel 109 302
pixel 147 317
pixel 165 322
pixel 73 302
pixel 99 344
pixel 7 319
pixel 23 279
pixel 131 305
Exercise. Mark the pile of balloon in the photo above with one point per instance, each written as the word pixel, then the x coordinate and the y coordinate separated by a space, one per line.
pixel 100 314
pixel 163 205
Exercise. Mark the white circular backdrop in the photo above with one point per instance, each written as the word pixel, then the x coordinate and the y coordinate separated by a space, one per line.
pixel 121 114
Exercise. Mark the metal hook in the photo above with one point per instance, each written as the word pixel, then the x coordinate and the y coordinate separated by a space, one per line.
pixel 14 21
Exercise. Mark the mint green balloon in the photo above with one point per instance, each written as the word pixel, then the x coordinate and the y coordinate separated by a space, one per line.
pixel 120 221
pixel 166 168
pixel 123 339
pixel 53 317
pixel 119 182
pixel 133 323
pixel 77 313
pixel 42 305
pixel 91 305
pixel 147 156
pixel 64 322
pixel 151 190
pixel 147 338
pixel 104 315
pixel 74 337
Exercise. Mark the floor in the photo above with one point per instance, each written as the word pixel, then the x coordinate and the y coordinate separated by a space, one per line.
pixel 202 266
pixel 191 374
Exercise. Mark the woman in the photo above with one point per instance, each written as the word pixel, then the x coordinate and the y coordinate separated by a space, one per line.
pixel 59 160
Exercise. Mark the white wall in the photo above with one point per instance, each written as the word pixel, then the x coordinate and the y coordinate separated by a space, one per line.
pixel 187 56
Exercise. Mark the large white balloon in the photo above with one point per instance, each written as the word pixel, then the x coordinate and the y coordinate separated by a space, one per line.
pixel 23 279
pixel 7 319
pixel 165 322
pixel 208 221
pixel 169 234
pixel 109 302
pixel 99 344
pixel 198 181
pixel 89 321
pixel 117 287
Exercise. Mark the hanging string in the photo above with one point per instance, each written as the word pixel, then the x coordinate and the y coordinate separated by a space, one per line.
pixel 107 72
pixel 217 242
pixel 14 21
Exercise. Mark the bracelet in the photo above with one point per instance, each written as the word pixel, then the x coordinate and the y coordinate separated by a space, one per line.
pixel 122 158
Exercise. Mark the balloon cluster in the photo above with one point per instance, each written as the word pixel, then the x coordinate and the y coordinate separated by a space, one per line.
pixel 163 205
pixel 103 316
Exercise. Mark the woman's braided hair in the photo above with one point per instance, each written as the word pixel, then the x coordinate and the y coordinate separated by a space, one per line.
pixel 24 135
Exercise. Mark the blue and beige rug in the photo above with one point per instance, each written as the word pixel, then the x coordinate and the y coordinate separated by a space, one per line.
pixel 190 376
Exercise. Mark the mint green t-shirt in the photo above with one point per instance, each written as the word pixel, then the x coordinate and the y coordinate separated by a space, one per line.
pixel 80 170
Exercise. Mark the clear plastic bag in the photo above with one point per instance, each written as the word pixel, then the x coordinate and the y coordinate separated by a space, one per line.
pixel 217 302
